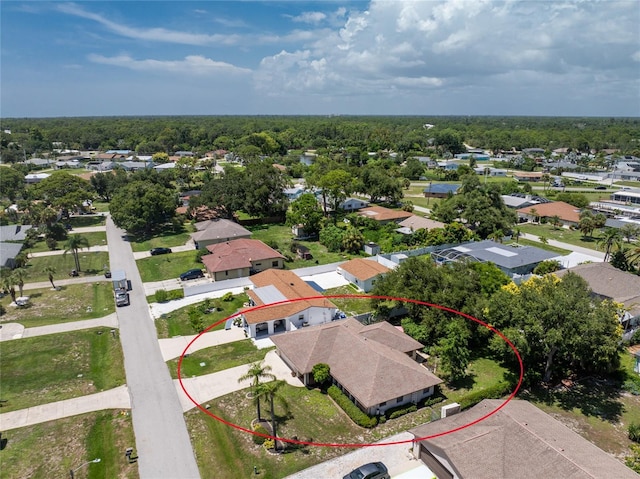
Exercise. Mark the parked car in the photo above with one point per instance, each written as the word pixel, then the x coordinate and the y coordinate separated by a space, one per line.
pixel 192 274
pixel 373 470
pixel 601 187
pixel 157 251
pixel 122 298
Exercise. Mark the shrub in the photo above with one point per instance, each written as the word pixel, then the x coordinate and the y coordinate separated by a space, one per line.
pixel 401 411
pixel 52 244
pixel 632 385
pixel 228 296
pixel 259 428
pixel 201 253
pixel 175 294
pixel 269 444
pixel 161 295
pixel 634 431
pixel 492 392
pixel 353 411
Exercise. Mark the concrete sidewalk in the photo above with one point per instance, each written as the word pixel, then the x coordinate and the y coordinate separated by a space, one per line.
pixel 173 347
pixel 65 282
pixel 57 252
pixel 117 398
pixel 211 386
pixel 11 331
pixel 567 246
pixel 188 246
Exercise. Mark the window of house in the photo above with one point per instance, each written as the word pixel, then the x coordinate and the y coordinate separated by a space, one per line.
pixel 274 264
pixel 383 403
pixel 301 317
pixel 400 399
pixel 258 264
pixel 426 391
pixel 226 273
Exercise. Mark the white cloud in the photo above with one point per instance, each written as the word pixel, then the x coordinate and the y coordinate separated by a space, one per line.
pixel 150 34
pixel 192 64
pixel 309 17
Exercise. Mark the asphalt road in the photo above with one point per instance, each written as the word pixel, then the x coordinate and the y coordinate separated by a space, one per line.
pixel 162 441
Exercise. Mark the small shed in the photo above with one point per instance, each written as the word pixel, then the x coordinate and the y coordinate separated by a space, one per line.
pixel 371 248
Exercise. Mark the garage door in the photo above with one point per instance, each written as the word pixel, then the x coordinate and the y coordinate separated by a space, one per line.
pixel 432 463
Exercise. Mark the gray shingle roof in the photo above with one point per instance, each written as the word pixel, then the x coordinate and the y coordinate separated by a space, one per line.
pixel 518 441
pixel 14 232
pixel 504 256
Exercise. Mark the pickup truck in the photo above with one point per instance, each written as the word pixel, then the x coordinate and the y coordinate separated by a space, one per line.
pixel 122 297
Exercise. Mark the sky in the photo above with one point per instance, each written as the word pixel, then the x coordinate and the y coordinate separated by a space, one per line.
pixel 379 57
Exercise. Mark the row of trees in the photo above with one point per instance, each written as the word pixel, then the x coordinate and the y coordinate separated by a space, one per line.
pixel 276 135
pixel 556 325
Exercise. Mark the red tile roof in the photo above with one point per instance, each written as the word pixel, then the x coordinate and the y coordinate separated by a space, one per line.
pixel 364 269
pixel 236 254
pixel 565 211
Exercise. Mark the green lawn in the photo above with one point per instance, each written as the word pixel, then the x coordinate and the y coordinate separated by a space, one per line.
pixel 95 238
pixel 53 448
pixel 51 368
pixel 281 236
pixel 538 244
pixel 167 266
pixel 87 220
pixel 167 239
pixel 482 373
pixel 91 264
pixel 100 206
pixel 218 358
pixel 565 235
pixel 70 303
pixel 351 306
pixel 176 323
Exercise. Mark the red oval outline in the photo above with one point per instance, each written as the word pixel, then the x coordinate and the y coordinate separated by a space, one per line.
pixel 355 445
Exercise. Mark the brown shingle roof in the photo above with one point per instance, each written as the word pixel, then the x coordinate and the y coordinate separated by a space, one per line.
pixel 387 374
pixel 419 222
pixel 219 228
pixel 518 441
pixel 364 269
pixel 607 280
pixel 290 286
pixel 237 254
pixel 380 213
pixel 565 211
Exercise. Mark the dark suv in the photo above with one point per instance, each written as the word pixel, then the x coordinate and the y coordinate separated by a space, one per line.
pixel 192 274
pixel 157 251
pixel 373 470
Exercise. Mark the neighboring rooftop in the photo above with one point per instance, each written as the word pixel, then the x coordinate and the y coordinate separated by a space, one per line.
pixel 219 229
pixel 565 211
pixel 518 441
pixel 364 269
pixel 380 213
pixel 236 254
pixel 288 286
pixel 414 223
pixel 14 232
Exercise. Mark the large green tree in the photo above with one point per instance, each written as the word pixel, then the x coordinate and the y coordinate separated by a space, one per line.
pixel 305 211
pixel 557 326
pixel 264 190
pixel 11 183
pixel 64 191
pixel 141 206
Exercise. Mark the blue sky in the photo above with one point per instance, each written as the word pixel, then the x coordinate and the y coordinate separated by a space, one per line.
pixel 448 57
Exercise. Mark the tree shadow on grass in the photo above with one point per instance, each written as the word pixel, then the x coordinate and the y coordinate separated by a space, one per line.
pixel 466 382
pixel 592 397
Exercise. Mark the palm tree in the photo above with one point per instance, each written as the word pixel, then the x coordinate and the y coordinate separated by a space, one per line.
pixel 611 239
pixel 555 221
pixel 256 372
pixel 534 212
pixel 633 256
pixel 517 233
pixel 73 244
pixel 8 286
pixel 270 391
pixel 543 239
pixel 18 276
pixel 50 270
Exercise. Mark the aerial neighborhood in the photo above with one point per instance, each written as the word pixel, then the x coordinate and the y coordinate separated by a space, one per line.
pixel 263 296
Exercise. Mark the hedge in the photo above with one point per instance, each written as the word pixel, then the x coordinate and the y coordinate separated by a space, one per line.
pixel 163 295
pixel 353 411
pixel 492 392
pixel 401 411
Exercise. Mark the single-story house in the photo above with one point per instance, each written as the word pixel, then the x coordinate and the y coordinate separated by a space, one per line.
pixel 384 215
pixel 527 176
pixel 275 286
pixel 372 364
pixel 239 258
pixel 61 164
pixel 135 165
pixel 522 200
pixel 467 156
pixel 353 204
pixel 218 230
pixel 497 172
pixel 448 165
pixel 519 440
pixel 512 259
pixel 608 282
pixel 14 232
pixel 415 223
pixel 568 214
pixel 294 192
pixel 362 272
pixel 440 190
pixel 624 196
pixel 39 162
pixel 8 253
pixel 33 178
pixel 183 154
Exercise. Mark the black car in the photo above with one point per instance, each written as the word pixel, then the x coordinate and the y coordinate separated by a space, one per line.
pixel 373 470
pixel 192 274
pixel 601 187
pixel 157 251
